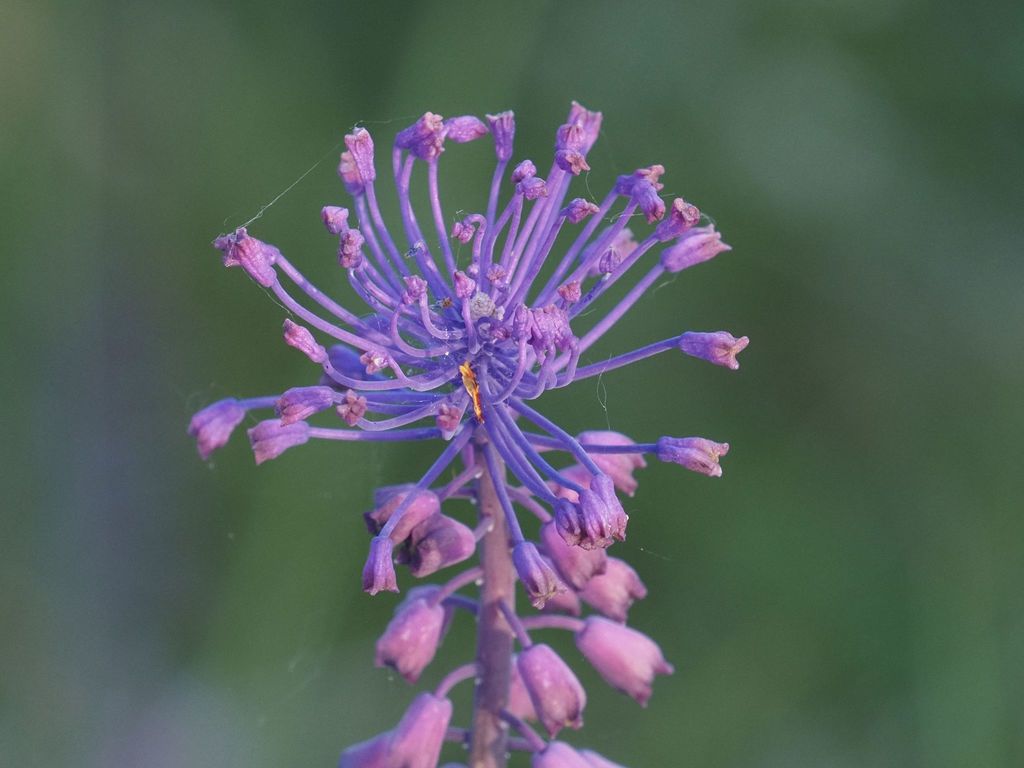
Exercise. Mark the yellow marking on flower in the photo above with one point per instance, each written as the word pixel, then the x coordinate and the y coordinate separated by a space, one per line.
pixel 473 389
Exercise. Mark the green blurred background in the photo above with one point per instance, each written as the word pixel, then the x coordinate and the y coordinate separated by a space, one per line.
pixel 849 594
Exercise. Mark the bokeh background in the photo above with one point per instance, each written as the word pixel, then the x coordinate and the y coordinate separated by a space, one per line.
pixel 849 594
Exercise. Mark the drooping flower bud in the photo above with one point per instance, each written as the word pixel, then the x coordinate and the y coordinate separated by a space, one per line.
pixel 464 128
pixel 352 408
pixel 424 138
pixel 695 453
pixel 618 466
pixel 719 347
pixel 350 248
pixel 682 217
pixel 254 256
pixel 503 127
pixel 596 520
pixel 628 660
pixel 269 439
pixel 519 704
pixel 301 339
pixel 436 543
pixel 379 571
pixel 412 636
pixel 698 245
pixel 334 218
pixel 299 403
pixel 556 694
pixel 615 590
pixel 569 149
pixel 575 565
pixel 578 209
pixel 213 425
pixel 563 602
pixel 417 739
pixel 525 170
pixel 423 505
pixel 538 577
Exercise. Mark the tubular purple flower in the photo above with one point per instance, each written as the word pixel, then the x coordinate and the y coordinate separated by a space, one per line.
pixel 301 339
pixel 589 121
pixel 698 245
pixel 556 694
pixel 538 577
pixel 719 347
pixel 254 256
pixel 299 403
pixel 436 543
pixel 525 170
pixel 379 571
pixel 519 704
pixel 503 127
pixel 417 739
pixel 695 453
pixel 579 209
pixel 412 637
pixel 414 505
pixel 360 151
pixel 596 520
pixel 628 660
pixel 213 425
pixel 424 138
pixel 269 439
pixel 614 591
pixel 682 217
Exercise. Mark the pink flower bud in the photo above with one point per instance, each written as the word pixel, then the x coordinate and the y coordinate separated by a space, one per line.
pixel 618 466
pixel 334 218
pixel 613 592
pixel 719 347
pixel 438 542
pixel 301 339
pixel 558 754
pixel 538 577
pixel 379 571
pixel 578 209
pixel 213 425
pixel 695 453
pixel 682 217
pixel 352 408
pixel 574 564
pixel 412 636
pixel 269 439
pixel 525 170
pixel 503 127
pixel 556 694
pixel 464 128
pixel 423 505
pixel 698 245
pixel 417 739
pixel 628 660
pixel 299 403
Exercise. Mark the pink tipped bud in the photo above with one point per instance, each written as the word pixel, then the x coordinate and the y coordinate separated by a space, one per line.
pixel 334 218
pixel 269 439
pixel 589 121
pixel 299 337
pixel 615 590
pixel 379 571
pixel 682 217
pixel 464 128
pixel 448 419
pixel 698 245
pixel 628 660
pixel 519 704
pixel 412 637
pixel 695 453
pixel 538 577
pixel 350 245
pixel 415 289
pixel 299 403
pixel 719 347
pixel 532 188
pixel 349 173
pixel 571 161
pixel 360 151
pixel 463 231
pixel 503 127
pixel 525 170
pixel 352 408
pixel 465 286
pixel 424 138
pixel 254 256
pixel 574 564
pixel 578 209
pixel 570 292
pixel 618 466
pixel 556 694
pixel 417 739
pixel 213 425
pixel 436 543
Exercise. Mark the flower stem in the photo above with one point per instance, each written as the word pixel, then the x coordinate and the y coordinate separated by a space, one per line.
pixel 494 636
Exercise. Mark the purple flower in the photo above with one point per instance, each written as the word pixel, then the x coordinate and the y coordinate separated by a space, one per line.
pixel 463 328
pixel 625 658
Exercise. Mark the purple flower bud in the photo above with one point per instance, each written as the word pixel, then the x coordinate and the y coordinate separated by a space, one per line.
pixel 682 217
pixel 626 184
pixel 464 285
pixel 213 425
pixel 628 660
pixel 417 739
pixel 549 330
pixel 464 128
pixel 570 292
pixel 463 231
pixel 299 403
pixel 352 408
pixel 379 571
pixel 596 520
pixel 269 439
pixel 589 121
pixel 373 753
pixel 334 218
pixel 578 209
pixel 424 505
pixel 525 170
pixel 350 244
pixel 649 201
pixel 615 590
pixel 503 126
pixel 694 453
pixel 519 704
pixel 618 466
pixel 448 418
pixel 522 320
pixel 415 289
pixel 532 188
pixel 299 337
pixel 412 637
pixel 374 360
pixel 571 161
pixel 360 150
pixel 574 564
pixel 569 137
pixel 556 694
pixel 424 138
pixel 558 754
pixel 538 577
pixel 436 543
pixel 698 245
pixel 254 256
pixel 719 347
pixel 349 173
pixel 595 760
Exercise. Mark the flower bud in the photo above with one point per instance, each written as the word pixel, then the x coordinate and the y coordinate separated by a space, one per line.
pixel 422 506
pixel 417 739
pixel 719 347
pixel 415 289
pixel 596 520
pixel 695 453
pixel 463 231
pixel 519 704
pixel 556 694
pixel 213 425
pixel 412 637
pixel 436 543
pixel 628 660
pixel 350 248
pixel 360 151
pixel 424 138
pixel 503 127
pixel 352 408
pixel 618 466
pixel 698 245
pixel 525 170
pixel 269 439
pixel 538 577
pixel 575 564
pixel 532 188
pixel 682 217
pixel 334 218
pixel 299 403
pixel 464 285
pixel 615 590
pixel 578 209
pixel 299 337
pixel 464 128
pixel 379 571
pixel 589 121
pixel 254 256
pixel 570 292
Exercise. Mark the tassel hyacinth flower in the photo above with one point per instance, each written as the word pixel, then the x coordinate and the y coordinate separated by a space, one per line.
pixel 467 323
